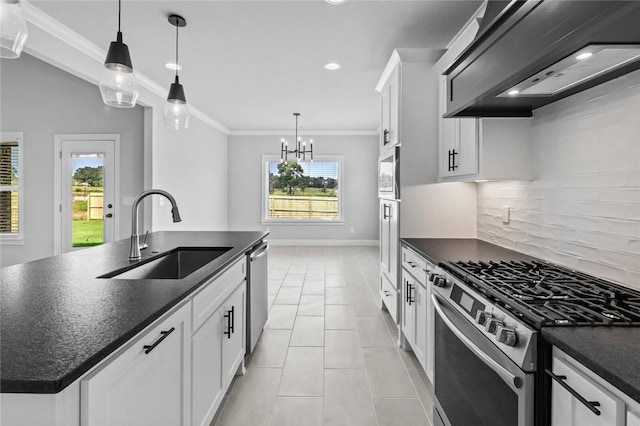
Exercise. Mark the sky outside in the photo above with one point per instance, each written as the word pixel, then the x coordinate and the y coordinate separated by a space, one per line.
pixel 326 169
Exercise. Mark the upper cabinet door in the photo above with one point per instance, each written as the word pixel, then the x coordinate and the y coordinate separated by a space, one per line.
pixel 389 126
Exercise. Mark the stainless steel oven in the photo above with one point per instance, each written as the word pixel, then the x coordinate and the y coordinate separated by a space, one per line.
pixel 485 360
pixel 389 174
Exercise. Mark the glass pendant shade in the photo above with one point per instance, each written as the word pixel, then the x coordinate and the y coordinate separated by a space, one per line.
pixel 176 113
pixel 118 85
pixel 13 29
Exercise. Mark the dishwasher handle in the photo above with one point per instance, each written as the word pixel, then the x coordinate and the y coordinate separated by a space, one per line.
pixel 259 252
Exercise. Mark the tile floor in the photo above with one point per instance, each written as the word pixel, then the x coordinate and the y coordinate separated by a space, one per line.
pixel 328 354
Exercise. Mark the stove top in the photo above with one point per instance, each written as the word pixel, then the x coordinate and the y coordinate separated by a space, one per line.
pixel 545 294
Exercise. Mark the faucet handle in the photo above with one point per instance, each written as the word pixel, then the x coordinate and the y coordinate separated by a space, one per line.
pixel 144 245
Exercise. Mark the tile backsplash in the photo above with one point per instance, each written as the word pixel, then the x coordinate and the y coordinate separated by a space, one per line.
pixel 582 209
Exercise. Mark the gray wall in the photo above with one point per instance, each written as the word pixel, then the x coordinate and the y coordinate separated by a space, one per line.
pixel 360 187
pixel 41 100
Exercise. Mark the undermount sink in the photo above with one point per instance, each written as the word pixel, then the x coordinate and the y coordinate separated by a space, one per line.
pixel 172 265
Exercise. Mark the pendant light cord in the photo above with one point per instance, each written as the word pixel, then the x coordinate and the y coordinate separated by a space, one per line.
pixel 177 51
pixel 119 11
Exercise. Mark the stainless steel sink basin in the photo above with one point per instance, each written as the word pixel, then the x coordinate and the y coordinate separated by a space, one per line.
pixel 172 265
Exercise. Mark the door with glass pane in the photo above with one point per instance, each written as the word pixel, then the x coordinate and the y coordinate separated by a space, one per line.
pixel 87 191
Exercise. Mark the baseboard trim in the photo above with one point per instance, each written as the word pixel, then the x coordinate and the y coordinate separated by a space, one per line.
pixel 323 242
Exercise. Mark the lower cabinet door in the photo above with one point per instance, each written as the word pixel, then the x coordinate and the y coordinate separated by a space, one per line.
pixel 144 384
pixel 567 410
pixel 420 347
pixel 206 369
pixel 409 309
pixel 233 335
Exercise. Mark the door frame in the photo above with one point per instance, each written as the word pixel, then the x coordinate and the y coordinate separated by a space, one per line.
pixel 57 179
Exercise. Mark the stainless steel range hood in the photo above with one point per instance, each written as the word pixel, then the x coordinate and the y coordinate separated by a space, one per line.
pixel 580 67
pixel 530 53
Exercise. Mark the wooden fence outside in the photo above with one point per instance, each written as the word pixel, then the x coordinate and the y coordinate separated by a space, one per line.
pixel 303 207
pixel 94 205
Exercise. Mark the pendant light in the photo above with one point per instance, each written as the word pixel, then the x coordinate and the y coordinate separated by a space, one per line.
pixel 118 84
pixel 300 151
pixel 176 113
pixel 13 29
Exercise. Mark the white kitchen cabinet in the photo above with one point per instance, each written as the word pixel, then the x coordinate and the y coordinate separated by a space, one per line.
pixel 390 119
pixel 569 410
pixel 218 341
pixel 389 254
pixel 633 419
pixel 415 324
pixel 145 383
pixel 483 149
pixel 234 337
pixel 408 322
pixel 389 239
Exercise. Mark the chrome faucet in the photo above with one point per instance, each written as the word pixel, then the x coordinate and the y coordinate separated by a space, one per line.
pixel 134 250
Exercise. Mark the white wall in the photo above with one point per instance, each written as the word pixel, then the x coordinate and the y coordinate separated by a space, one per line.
pixel 41 100
pixel 359 194
pixel 583 208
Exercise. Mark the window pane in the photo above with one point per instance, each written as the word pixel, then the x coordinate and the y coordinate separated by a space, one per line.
pixel 9 163
pixel 9 217
pixel 304 190
pixel 87 222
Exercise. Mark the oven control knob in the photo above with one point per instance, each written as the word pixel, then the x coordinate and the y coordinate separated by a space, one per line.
pixel 506 335
pixel 492 325
pixel 439 281
pixel 482 317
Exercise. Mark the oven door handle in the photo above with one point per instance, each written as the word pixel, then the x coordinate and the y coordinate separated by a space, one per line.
pixel 504 374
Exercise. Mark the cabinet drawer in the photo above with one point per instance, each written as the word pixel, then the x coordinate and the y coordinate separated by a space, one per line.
pixel 416 265
pixel 389 296
pixel 216 291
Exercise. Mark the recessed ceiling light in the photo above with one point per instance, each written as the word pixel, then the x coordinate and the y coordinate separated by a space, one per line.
pixel 172 66
pixel 584 55
pixel 335 2
pixel 513 92
pixel 332 66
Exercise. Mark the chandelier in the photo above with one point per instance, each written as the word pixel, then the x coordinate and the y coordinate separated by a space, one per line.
pixel 300 147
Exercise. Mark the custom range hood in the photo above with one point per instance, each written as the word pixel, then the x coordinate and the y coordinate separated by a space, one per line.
pixel 530 53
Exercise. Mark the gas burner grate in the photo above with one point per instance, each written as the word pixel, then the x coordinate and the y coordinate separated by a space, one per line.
pixel 548 294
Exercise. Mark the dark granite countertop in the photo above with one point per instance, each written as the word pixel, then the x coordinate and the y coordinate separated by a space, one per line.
pixel 57 320
pixel 438 250
pixel 610 352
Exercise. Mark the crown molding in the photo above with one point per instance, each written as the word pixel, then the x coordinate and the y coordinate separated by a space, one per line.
pixel 304 132
pixel 77 42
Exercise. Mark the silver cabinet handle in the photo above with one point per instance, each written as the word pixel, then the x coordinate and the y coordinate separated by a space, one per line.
pixel 504 374
pixel 258 254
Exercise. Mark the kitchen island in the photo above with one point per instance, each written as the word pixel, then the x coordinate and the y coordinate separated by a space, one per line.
pixel 59 319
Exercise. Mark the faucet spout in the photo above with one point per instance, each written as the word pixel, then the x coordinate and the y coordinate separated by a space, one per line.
pixel 134 249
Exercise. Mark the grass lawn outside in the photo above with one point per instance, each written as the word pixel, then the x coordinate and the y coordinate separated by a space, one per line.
pixel 87 233
pixel 309 192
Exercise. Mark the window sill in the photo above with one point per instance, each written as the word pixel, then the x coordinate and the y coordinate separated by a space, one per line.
pixel 11 241
pixel 302 222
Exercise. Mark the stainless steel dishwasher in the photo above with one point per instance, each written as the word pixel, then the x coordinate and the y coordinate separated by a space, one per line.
pixel 258 305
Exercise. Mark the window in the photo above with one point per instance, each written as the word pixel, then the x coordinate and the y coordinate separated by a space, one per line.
pixel 11 190
pixel 304 192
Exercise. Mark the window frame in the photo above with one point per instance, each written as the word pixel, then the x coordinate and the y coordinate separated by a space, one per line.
pixel 15 238
pixel 266 220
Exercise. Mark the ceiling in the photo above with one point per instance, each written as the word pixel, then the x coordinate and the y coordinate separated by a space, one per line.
pixel 250 64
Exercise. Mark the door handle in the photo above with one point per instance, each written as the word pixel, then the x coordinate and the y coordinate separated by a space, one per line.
pixel 108 215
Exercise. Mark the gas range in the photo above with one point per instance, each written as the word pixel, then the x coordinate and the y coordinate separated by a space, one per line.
pixel 544 294
pixel 488 317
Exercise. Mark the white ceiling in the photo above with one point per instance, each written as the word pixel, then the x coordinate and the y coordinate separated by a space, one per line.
pixel 250 64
